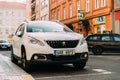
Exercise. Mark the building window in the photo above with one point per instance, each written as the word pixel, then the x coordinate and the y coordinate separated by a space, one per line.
pixel 96 4
pixel 70 10
pixel 59 15
pixel 64 13
pixel 45 17
pixel 78 5
pixel 103 3
pixel 42 5
pixel 87 5
pixel 53 16
pixel 46 2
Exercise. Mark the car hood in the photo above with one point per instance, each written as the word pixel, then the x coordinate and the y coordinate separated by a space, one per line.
pixel 56 36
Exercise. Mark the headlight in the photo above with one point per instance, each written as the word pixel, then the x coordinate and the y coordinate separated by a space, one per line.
pixel 82 41
pixel 36 41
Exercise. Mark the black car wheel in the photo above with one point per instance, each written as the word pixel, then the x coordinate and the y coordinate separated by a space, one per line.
pixel 97 50
pixel 13 59
pixel 24 61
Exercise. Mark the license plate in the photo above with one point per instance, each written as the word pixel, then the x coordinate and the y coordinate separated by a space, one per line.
pixel 64 52
pixel 3 46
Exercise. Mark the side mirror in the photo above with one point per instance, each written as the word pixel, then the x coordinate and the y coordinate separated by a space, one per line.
pixel 19 34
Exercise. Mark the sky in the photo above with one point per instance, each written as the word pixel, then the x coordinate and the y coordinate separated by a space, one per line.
pixel 22 1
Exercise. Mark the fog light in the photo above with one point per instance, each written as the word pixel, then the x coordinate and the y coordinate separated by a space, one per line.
pixel 85 55
pixel 35 57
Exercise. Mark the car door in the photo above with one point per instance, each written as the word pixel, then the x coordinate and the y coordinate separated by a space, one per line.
pixel 93 40
pixel 107 42
pixel 116 42
pixel 17 40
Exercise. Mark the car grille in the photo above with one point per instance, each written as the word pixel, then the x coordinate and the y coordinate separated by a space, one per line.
pixel 63 44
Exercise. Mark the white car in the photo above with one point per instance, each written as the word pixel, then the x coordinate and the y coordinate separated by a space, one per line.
pixel 48 42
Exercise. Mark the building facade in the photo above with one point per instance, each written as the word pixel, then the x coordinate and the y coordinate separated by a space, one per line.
pixel 116 15
pixel 97 12
pixel 28 10
pixel 11 15
pixel 38 10
pixel 99 15
pixel 44 9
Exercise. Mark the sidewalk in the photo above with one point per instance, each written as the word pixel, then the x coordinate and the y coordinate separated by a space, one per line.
pixel 10 71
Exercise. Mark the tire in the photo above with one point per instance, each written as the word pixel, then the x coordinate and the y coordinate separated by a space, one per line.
pixel 97 50
pixel 79 65
pixel 13 59
pixel 24 61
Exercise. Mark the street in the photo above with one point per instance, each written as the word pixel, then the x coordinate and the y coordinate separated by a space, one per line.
pixel 38 38
pixel 103 67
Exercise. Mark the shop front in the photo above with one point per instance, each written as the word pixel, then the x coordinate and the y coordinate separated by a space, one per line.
pixel 99 24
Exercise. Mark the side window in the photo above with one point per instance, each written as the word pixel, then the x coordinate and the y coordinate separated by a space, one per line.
pixel 20 30
pixel 107 38
pixel 117 38
pixel 94 38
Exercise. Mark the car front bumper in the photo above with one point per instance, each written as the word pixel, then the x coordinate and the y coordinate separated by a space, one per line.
pixel 4 47
pixel 49 58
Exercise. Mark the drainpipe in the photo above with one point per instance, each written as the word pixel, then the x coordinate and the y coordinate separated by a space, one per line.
pixel 112 16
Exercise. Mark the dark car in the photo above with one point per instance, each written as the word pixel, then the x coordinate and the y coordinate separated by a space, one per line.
pixel 4 44
pixel 99 43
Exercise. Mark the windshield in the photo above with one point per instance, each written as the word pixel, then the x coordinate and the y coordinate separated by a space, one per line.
pixel 3 41
pixel 47 27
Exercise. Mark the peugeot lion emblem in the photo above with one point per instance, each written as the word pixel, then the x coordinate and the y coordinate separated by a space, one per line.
pixel 63 43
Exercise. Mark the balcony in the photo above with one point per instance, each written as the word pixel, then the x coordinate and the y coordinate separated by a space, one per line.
pixel 33 17
pixel 32 1
pixel 33 4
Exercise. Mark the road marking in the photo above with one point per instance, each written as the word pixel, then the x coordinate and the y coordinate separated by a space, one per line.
pixel 27 77
pixel 113 57
pixel 100 72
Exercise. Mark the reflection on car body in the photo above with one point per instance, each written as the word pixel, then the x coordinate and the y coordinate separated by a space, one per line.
pixel 103 42
pixel 48 42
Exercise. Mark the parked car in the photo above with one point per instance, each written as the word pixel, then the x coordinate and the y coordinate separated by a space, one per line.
pixel 4 44
pixel 99 43
pixel 48 42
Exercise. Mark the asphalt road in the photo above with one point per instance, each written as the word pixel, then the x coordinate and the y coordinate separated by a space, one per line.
pixel 104 67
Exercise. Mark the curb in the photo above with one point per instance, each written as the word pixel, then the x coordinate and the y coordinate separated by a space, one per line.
pixel 10 71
